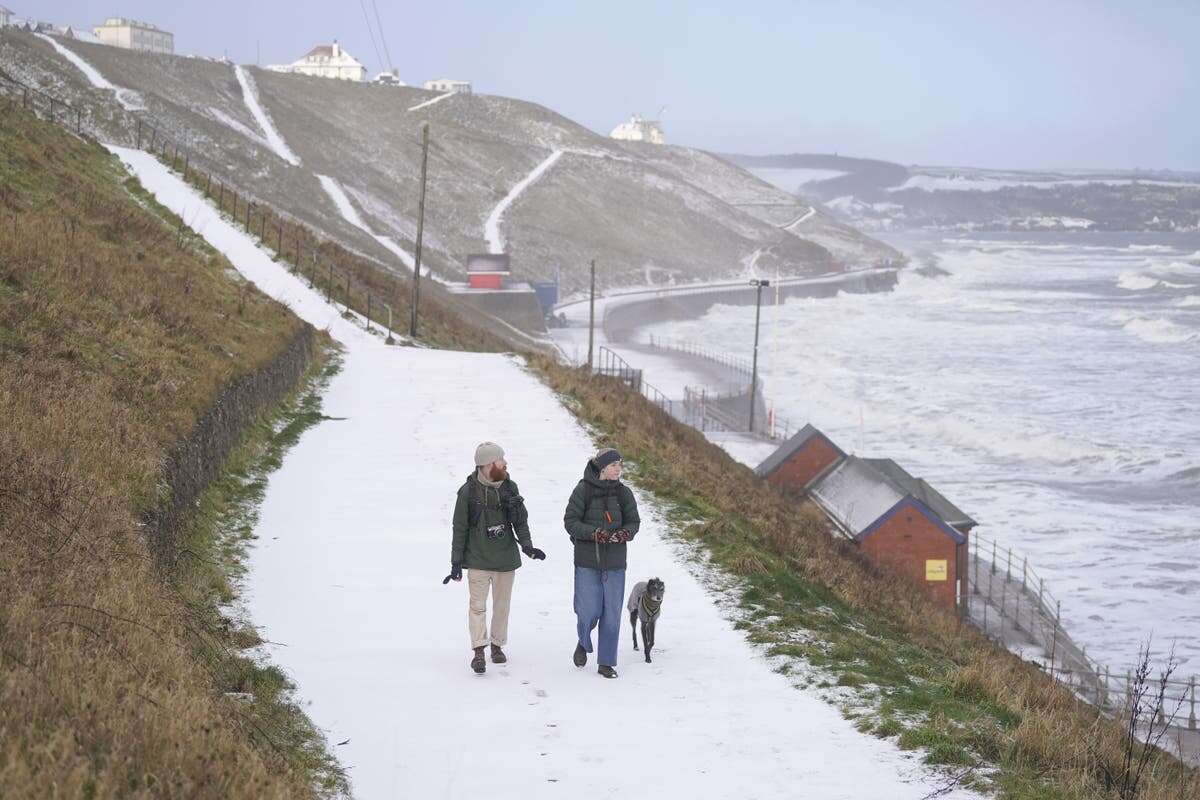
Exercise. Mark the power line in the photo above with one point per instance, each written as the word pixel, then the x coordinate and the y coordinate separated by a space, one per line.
pixel 370 32
pixel 382 37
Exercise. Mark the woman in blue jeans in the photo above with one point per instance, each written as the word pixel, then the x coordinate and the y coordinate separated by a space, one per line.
pixel 601 517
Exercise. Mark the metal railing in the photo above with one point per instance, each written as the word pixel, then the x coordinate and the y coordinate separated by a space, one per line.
pixel 612 365
pixel 1006 581
pixel 735 364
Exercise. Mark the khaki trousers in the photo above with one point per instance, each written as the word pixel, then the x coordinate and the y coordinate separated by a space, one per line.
pixel 501 583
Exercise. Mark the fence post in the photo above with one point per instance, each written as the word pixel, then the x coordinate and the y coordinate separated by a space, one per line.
pixel 249 205
pixel 280 247
pixel 1192 716
pixel 262 228
pixel 993 557
pixel 221 202
pixel 1104 689
pixel 1041 591
pixel 175 157
pixel 208 186
pixel 347 298
pixel 975 542
pixel 1054 635
pixel 368 312
pixel 139 134
pixel 1025 572
pixel 389 339
pixel 329 289
pixel 1008 571
pixel 79 120
pixel 187 161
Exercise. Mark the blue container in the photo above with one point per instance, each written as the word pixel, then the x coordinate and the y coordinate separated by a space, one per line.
pixel 547 295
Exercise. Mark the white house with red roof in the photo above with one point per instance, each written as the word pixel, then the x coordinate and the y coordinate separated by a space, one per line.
pixel 326 61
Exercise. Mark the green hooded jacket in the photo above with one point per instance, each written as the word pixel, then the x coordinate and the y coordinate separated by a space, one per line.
pixel 472 546
pixel 607 505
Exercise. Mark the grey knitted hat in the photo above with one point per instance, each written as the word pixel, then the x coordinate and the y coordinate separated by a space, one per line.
pixel 606 456
pixel 488 452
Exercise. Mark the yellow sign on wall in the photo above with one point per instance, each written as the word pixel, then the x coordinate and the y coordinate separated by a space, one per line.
pixel 935 570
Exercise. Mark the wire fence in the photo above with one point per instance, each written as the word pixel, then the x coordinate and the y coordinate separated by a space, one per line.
pixel 1005 581
pixel 365 295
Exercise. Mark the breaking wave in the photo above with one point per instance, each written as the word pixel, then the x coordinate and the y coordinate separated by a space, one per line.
pixel 1160 331
pixel 1135 281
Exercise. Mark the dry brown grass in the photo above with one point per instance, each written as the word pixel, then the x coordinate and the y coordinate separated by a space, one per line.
pixel 1057 744
pixel 114 336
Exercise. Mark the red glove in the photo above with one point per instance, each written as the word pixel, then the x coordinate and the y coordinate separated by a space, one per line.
pixel 604 537
pixel 620 537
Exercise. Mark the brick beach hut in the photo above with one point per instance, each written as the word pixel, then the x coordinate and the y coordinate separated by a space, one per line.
pixel 895 518
pixel 896 526
pixel 800 459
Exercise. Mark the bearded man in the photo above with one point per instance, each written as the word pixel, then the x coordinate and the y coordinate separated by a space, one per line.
pixel 490 521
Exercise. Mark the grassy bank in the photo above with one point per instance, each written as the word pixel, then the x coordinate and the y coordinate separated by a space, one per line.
pixel 116 333
pixel 899 665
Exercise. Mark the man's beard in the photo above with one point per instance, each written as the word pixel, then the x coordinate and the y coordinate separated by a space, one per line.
pixel 496 473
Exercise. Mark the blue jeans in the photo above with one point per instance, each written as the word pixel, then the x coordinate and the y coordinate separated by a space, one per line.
pixel 600 598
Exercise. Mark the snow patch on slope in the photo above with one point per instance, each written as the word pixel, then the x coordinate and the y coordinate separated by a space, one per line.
pixel 250 96
pixel 491 228
pixel 351 215
pixel 428 103
pixel 231 123
pixel 129 100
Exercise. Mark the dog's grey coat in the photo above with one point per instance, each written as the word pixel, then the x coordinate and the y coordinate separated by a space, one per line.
pixel 635 603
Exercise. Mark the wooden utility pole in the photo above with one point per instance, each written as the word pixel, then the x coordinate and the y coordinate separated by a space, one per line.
pixel 592 316
pixel 416 292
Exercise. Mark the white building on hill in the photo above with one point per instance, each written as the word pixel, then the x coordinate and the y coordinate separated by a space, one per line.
pixel 326 61
pixel 639 130
pixel 5 17
pixel 447 85
pixel 133 35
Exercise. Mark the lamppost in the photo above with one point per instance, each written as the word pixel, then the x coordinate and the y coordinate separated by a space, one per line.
pixel 757 284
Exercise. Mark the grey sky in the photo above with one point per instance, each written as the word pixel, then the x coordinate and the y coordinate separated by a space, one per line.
pixel 1056 83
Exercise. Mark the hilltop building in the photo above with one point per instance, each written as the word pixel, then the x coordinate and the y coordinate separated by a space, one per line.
pixel 895 519
pixel 134 35
pixel 326 61
pixel 6 17
pixel 447 85
pixel 389 77
pixel 639 130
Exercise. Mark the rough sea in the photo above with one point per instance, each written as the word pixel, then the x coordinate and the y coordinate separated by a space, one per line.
pixel 1049 386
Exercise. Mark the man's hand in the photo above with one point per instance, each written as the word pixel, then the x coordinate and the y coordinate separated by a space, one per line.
pixel 603 537
pixel 620 537
pixel 534 553
pixel 455 574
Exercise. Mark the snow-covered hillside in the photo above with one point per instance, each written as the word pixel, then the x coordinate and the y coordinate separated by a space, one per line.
pixel 353 541
pixel 668 211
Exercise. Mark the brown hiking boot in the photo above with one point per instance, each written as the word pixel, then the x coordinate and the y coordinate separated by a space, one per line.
pixel 498 656
pixel 477 663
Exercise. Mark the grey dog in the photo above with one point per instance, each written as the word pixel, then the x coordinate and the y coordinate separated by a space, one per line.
pixel 645 605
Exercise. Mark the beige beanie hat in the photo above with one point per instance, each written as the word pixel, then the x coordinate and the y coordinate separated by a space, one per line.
pixel 488 452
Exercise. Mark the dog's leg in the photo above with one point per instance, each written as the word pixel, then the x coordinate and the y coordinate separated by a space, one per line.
pixel 633 615
pixel 647 638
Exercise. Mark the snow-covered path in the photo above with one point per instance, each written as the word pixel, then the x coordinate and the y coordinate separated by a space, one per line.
pixel 129 99
pixel 353 542
pixel 800 219
pixel 491 227
pixel 274 139
pixel 428 103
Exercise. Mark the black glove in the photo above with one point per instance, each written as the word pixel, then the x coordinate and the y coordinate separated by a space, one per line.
pixel 455 574
pixel 534 553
